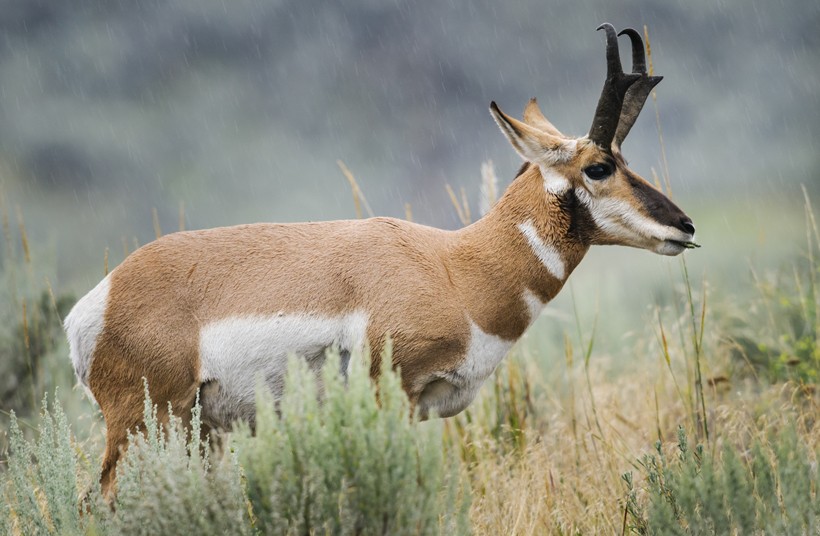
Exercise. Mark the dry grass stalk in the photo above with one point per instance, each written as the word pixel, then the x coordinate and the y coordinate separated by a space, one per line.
pixel 557 487
pixel 155 219
pixel 23 236
pixel 359 199
pixel 489 187
pixel 462 211
pixel 6 226
pixel 656 179
pixel 466 205
pixel 657 113
pixel 26 340
pixel 53 299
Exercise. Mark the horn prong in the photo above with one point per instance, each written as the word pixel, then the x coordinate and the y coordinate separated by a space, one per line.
pixel 638 93
pixel 638 52
pixel 613 56
pixel 608 111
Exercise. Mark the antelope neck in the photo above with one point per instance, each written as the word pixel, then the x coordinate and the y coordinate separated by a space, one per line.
pixel 524 248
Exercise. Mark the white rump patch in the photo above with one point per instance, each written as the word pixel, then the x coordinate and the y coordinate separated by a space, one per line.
pixel 554 182
pixel 83 326
pixel 238 352
pixel 547 254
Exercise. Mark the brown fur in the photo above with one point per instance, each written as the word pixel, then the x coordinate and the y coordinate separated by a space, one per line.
pixel 416 283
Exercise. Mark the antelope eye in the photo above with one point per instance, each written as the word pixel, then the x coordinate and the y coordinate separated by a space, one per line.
pixel 598 172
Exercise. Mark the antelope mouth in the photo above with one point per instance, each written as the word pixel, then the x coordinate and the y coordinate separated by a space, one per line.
pixel 685 244
pixel 674 247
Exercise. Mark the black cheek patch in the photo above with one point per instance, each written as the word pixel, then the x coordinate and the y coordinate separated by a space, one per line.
pixel 582 226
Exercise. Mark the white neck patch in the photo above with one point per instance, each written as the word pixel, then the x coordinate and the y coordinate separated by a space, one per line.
pixel 547 254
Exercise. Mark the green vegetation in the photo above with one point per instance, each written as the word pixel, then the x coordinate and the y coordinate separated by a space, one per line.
pixel 355 464
pixel 350 465
pixel 770 489
pixel 170 483
pixel 41 497
pixel 25 349
pixel 779 334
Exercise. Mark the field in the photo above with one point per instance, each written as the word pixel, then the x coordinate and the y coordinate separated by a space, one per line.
pixel 694 414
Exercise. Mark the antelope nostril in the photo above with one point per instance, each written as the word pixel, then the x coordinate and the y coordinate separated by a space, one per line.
pixel 687 226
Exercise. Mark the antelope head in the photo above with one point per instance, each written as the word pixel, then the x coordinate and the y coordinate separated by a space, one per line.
pixel 615 204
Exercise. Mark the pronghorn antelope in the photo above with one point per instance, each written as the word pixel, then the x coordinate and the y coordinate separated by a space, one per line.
pixel 215 310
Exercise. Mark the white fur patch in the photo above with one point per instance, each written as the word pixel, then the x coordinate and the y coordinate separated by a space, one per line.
pixel 550 157
pixel 569 149
pixel 83 326
pixel 619 219
pixel 534 304
pixel 554 182
pixel 484 353
pixel 454 391
pixel 238 352
pixel 547 254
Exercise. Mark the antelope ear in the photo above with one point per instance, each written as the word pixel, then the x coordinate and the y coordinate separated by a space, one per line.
pixel 535 118
pixel 531 143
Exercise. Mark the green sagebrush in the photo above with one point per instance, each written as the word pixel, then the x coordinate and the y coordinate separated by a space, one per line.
pixel 354 464
pixel 168 483
pixel 770 489
pixel 337 456
pixel 41 485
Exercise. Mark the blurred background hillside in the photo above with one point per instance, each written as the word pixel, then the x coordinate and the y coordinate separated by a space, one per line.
pixel 239 110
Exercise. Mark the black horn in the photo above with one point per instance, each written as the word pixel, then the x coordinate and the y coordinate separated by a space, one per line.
pixel 608 112
pixel 638 92
pixel 638 52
